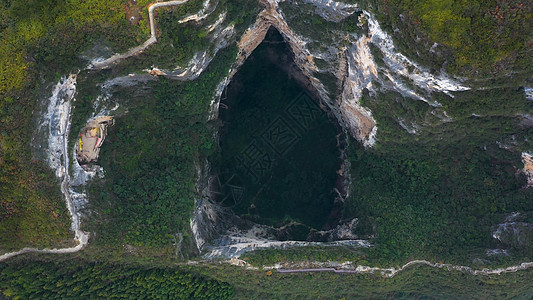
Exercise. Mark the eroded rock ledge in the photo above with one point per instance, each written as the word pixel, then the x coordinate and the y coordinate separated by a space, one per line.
pixel 91 138
pixel 347 110
pixel 527 159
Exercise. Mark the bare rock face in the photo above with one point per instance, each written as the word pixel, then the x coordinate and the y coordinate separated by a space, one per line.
pixel 91 139
pixel 529 93
pixel 527 159
pixel 514 232
pixel 156 72
pixel 361 70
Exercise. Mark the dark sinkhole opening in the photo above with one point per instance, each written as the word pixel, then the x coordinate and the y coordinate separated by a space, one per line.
pixel 280 152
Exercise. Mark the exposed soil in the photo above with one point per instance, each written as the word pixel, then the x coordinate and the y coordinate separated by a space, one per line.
pixel 133 12
pixel 90 140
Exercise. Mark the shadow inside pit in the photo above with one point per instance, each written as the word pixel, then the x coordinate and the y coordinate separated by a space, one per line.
pixel 279 150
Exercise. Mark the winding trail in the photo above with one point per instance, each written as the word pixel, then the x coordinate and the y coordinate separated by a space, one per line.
pixel 80 235
pixel 151 7
pixel 391 272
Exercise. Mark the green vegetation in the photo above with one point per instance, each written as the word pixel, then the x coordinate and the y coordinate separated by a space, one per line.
pixel 415 282
pixel 149 157
pixel 491 36
pixel 32 212
pixel 436 198
pixel 52 34
pixel 79 279
pixel 317 27
pixel 177 43
pixel 269 257
pixel 436 194
pixel 73 277
pixel 42 39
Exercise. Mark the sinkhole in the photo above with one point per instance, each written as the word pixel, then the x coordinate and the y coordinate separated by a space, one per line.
pixel 280 152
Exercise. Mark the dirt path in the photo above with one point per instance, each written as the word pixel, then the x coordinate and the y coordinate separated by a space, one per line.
pixel 82 237
pixel 151 7
pixel 391 272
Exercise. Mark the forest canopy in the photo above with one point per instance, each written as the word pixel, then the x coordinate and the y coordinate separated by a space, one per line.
pixel 481 35
pixel 85 280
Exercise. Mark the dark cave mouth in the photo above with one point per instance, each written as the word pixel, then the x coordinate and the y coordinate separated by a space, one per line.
pixel 280 152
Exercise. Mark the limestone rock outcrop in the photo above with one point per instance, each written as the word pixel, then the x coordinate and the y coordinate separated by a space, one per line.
pixel 527 159
pixel 91 139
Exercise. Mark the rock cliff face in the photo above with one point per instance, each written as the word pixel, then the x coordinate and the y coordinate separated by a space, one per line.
pixel 91 139
pixel 350 114
pixel 527 159
pixel 514 231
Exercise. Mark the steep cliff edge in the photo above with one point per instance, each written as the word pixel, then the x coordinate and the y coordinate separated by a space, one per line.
pixel 349 113
pixel 527 159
